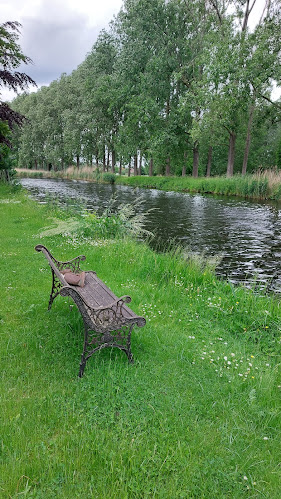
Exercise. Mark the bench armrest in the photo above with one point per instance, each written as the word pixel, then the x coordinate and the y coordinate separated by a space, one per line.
pixel 73 264
pixel 109 317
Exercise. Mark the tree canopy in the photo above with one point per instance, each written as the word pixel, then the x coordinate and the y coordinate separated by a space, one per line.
pixel 11 57
pixel 184 87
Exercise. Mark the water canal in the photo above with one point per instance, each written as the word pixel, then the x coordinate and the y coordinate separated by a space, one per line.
pixel 245 234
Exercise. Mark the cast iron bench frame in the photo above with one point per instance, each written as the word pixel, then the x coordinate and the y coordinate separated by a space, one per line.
pixel 108 322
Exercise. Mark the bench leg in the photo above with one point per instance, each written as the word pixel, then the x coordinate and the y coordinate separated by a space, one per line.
pixel 103 342
pixel 55 289
pixel 129 355
pixel 82 366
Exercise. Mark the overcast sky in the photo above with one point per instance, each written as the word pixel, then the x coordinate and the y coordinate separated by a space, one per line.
pixel 56 34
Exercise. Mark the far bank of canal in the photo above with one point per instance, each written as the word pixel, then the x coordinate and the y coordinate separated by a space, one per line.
pixel 246 235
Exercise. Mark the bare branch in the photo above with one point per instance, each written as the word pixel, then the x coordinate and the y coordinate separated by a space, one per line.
pixel 251 8
pixel 269 100
pixel 248 11
pixel 215 5
pixel 266 7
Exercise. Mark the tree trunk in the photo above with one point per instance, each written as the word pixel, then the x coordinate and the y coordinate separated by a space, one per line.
pixel 168 167
pixel 107 160
pixel 195 159
pixel 113 161
pixel 150 167
pixel 103 161
pixel 77 160
pixel 129 169
pixel 120 167
pixel 135 164
pixel 231 152
pixel 4 174
pixel 210 155
pixel 248 141
pixel 97 158
pixel 140 162
pixel 183 172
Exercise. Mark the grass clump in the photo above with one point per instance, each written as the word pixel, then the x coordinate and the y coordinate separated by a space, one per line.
pixel 109 178
pixel 197 415
pixel 120 221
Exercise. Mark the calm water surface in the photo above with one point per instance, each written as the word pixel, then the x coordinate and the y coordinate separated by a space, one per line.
pixel 246 235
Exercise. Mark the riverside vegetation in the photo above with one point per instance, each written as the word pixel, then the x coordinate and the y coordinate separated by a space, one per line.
pixel 262 185
pixel 197 415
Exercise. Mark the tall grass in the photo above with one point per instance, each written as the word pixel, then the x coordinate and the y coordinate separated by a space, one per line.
pixel 197 415
pixel 88 173
pixel 273 178
pixel 117 220
pixel 82 173
pixel 255 187
pixel 262 185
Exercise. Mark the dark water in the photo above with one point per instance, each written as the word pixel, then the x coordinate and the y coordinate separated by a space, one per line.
pixel 246 235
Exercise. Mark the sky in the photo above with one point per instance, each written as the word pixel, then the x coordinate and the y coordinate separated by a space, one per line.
pixel 56 34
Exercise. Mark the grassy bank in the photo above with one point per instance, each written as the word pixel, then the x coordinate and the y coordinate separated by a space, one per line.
pixel 197 415
pixel 260 186
pixel 83 173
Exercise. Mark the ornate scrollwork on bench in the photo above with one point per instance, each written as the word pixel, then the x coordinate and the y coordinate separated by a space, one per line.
pixel 108 324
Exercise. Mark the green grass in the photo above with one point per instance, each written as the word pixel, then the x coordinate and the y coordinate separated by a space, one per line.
pixel 248 186
pixel 197 415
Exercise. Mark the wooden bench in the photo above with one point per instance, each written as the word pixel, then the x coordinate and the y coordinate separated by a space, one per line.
pixel 108 322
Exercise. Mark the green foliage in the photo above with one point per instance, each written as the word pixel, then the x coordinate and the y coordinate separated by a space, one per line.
pixel 11 57
pixel 117 221
pixel 167 79
pixel 256 187
pixel 278 155
pixel 109 178
pixel 6 158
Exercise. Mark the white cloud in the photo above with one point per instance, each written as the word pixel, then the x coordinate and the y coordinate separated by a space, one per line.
pixel 57 34
pixel 98 12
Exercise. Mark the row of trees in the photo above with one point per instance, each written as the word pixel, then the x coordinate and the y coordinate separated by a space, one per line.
pixel 183 87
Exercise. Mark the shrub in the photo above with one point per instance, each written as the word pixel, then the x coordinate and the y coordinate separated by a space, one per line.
pixel 109 178
pixel 116 221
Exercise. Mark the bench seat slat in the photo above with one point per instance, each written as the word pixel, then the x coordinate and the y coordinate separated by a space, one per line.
pixel 96 294
pixel 95 299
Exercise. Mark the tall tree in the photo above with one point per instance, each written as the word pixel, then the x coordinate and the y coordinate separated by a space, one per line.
pixel 242 65
pixel 11 57
pixel 168 80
